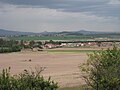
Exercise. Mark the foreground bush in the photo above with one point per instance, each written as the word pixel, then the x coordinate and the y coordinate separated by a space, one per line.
pixel 25 81
pixel 102 70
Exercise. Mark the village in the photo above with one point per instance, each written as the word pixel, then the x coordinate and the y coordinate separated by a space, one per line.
pixel 39 45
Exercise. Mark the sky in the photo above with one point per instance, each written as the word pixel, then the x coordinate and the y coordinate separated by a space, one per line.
pixel 60 15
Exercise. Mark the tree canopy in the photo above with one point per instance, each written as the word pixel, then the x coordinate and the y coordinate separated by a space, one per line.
pixel 102 70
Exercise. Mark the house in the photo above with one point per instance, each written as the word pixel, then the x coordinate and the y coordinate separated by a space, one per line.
pixel 49 46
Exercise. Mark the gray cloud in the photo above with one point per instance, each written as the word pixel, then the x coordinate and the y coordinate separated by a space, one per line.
pixel 52 15
pixel 97 7
pixel 52 2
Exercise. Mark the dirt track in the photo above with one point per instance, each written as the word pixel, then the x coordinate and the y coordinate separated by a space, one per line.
pixel 62 67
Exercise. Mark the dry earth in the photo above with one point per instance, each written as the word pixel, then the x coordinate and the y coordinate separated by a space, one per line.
pixel 62 67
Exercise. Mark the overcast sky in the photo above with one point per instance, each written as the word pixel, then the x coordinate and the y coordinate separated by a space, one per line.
pixel 60 15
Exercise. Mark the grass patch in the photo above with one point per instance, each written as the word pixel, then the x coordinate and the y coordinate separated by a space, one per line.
pixel 69 37
pixel 71 51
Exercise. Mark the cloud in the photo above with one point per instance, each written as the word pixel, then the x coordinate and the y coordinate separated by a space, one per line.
pixel 52 2
pixel 114 2
pixel 44 19
pixel 104 8
pixel 55 15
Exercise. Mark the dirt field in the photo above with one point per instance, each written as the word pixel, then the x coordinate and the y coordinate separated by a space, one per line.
pixel 62 67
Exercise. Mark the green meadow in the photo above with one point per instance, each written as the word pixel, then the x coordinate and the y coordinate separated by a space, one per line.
pixel 69 37
pixel 70 51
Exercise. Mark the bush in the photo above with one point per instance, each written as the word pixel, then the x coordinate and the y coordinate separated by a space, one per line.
pixel 10 49
pixel 102 70
pixel 16 48
pixel 7 46
pixel 25 81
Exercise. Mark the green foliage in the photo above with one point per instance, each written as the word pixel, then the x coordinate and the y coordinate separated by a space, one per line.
pixel 70 51
pixel 8 43
pixel 25 81
pixel 53 42
pixel 102 70
pixel 10 49
pixel 32 43
pixel 9 46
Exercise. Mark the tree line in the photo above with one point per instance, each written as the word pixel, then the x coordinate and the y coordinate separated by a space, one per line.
pixel 9 46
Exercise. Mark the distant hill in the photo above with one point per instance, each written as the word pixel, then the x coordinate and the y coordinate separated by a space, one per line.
pixel 80 32
pixel 10 33
pixel 90 32
pixel 4 32
pixel 48 33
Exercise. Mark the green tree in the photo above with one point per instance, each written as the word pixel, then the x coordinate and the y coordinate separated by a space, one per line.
pixel 102 70
pixel 32 43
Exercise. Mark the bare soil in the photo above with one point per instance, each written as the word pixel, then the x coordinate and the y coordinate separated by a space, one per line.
pixel 62 67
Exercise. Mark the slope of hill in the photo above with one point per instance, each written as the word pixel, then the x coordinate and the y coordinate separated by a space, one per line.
pixel 80 32
pixel 10 33
pixel 4 32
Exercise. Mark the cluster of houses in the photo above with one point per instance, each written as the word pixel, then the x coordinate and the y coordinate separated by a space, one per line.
pixel 61 44
pixel 86 44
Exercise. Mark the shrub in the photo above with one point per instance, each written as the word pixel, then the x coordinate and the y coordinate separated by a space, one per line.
pixel 10 49
pixel 25 81
pixel 102 70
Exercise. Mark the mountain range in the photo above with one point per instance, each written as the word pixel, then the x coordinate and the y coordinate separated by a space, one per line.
pixel 4 32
